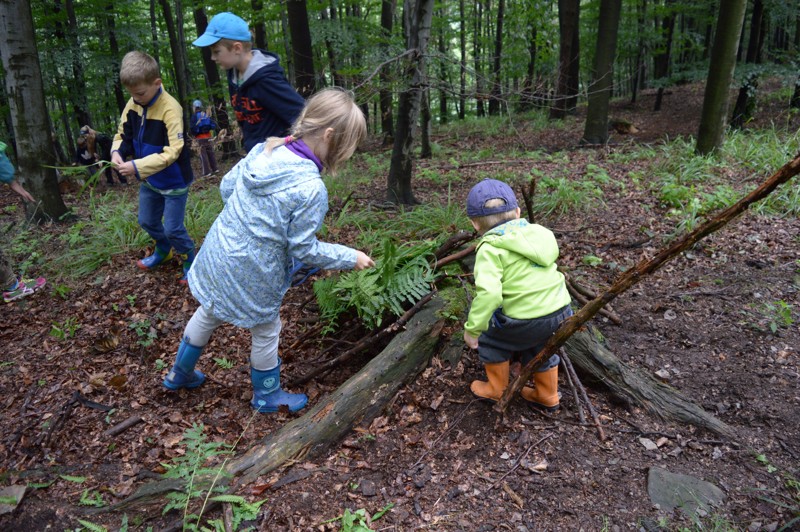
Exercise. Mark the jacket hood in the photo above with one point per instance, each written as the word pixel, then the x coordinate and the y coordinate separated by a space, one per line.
pixel 265 174
pixel 261 65
pixel 534 242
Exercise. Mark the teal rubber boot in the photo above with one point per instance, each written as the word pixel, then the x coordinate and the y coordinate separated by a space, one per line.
pixel 183 374
pixel 188 259
pixel 158 258
pixel 268 395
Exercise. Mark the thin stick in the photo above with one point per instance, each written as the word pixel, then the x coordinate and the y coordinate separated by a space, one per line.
pixel 592 411
pixel 581 415
pixel 455 256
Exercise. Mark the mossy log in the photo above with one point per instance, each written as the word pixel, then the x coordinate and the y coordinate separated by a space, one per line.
pixel 359 400
pixel 633 386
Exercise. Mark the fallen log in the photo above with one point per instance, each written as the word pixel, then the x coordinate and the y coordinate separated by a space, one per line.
pixel 635 387
pixel 644 268
pixel 359 400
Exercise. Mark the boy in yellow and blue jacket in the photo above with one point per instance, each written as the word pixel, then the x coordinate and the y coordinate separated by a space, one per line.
pixel 151 134
pixel 521 297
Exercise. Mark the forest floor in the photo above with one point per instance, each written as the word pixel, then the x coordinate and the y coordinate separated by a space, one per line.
pixel 438 459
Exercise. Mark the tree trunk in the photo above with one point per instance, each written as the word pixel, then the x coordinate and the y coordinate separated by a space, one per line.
pixel 794 103
pixel 443 71
pixel 568 58
pixel 333 63
pixel 356 402
pixel 746 99
pixel 639 65
pixel 417 15
pixel 755 40
pixel 78 87
pixel 218 92
pixel 23 78
pixel 476 53
pixel 259 26
pixel 720 74
pixel 425 150
pixel 287 45
pixel 494 101
pixel 662 60
pixel 462 37
pixel 528 85
pixel 154 42
pixel 178 58
pixel 301 47
pixel 596 130
pixel 387 119
pixel 119 95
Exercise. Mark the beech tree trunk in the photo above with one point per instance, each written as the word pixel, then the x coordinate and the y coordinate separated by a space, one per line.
pixel 568 59
pixel 301 47
pixel 178 56
pixel 596 130
pixel 418 15
pixel 385 95
pixel 494 101
pixel 720 74
pixel 259 26
pixel 32 128
pixel 662 60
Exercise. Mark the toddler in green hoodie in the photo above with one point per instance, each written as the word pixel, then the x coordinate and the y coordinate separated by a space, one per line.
pixel 521 298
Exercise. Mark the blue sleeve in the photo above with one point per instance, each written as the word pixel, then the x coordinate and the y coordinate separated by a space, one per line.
pixel 6 169
pixel 276 94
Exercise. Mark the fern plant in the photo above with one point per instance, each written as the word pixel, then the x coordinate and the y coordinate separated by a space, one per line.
pixel 401 276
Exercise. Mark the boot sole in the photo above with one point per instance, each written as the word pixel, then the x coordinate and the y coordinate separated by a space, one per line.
pixel 272 410
pixel 176 387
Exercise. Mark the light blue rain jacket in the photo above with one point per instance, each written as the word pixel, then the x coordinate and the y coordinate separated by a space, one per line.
pixel 274 206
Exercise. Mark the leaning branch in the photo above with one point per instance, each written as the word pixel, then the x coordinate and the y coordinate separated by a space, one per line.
pixel 644 268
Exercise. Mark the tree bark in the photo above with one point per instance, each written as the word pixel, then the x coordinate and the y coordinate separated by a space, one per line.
pixel 385 95
pixel 119 95
pixel 568 59
pixel 494 101
pixel 301 47
pixel 78 89
pixel 462 38
pixel 178 57
pixel 720 74
pixel 662 61
pixel 25 89
pixel 636 387
pixel 259 26
pixel 418 15
pixel 596 130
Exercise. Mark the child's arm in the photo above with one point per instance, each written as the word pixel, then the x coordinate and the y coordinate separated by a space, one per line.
pixel 302 241
pixel 488 291
pixel 280 98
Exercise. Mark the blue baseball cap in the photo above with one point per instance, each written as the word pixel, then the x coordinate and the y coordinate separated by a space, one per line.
pixel 486 190
pixel 224 26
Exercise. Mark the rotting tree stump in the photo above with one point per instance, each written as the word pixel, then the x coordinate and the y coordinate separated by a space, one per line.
pixel 635 387
pixel 359 400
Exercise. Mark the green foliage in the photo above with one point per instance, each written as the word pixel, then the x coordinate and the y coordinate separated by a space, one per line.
pixel 160 364
pixel 788 499
pixel 456 303
pixel 359 521
pixel 224 363
pixel 92 498
pixel 401 276
pixel 66 329
pixel 145 332
pixel 92 527
pixel 559 195
pixel 76 480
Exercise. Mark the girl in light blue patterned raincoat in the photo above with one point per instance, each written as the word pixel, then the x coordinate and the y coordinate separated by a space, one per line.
pixel 275 202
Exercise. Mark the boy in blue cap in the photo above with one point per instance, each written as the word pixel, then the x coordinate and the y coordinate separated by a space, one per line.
pixel 265 103
pixel 521 298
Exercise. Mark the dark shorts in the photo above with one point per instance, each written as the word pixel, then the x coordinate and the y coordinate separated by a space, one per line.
pixel 507 337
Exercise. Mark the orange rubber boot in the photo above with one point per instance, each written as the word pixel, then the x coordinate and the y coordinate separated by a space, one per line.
pixel 545 394
pixel 498 382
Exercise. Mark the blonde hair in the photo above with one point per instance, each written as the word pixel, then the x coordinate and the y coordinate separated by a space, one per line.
pixel 138 68
pixel 485 223
pixel 228 43
pixel 332 108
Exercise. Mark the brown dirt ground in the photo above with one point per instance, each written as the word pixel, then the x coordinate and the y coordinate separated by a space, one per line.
pixel 444 461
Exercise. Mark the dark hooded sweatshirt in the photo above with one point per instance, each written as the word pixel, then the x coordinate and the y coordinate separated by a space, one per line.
pixel 265 103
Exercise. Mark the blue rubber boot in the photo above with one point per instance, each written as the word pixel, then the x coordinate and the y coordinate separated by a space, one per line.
pixel 183 374
pixel 158 257
pixel 188 259
pixel 268 395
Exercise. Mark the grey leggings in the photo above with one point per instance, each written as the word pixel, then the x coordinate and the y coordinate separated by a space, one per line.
pixel 264 350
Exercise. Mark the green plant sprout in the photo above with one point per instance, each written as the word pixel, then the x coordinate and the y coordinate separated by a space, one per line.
pixel 224 363
pixel 65 330
pixel 359 521
pixel 145 333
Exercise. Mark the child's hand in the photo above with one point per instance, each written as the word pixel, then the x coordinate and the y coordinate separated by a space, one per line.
pixel 116 158
pixel 471 341
pixel 363 261
pixel 127 169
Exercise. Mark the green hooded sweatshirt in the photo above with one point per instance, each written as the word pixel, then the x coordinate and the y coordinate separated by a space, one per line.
pixel 515 268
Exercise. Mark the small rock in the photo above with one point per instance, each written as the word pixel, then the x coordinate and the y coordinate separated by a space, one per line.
pixel 663 374
pixel 772 527
pixel 368 488
pixel 649 444
pixel 755 526
pixel 670 315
